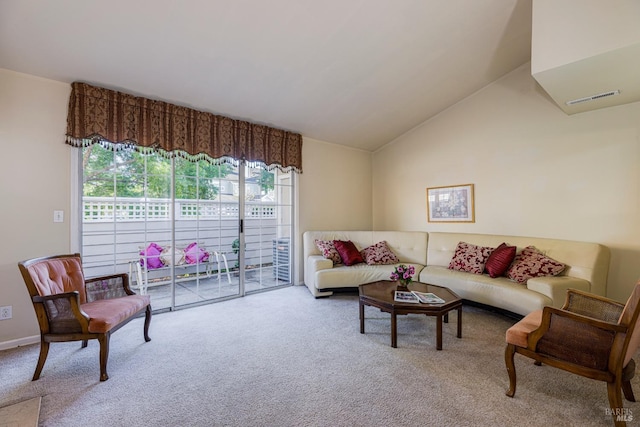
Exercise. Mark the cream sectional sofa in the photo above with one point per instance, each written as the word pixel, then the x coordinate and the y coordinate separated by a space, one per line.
pixel 587 266
pixel 321 276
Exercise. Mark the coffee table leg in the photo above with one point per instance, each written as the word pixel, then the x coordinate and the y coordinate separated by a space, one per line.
pixel 362 318
pixel 394 330
pixel 459 322
pixel 446 317
pixel 439 333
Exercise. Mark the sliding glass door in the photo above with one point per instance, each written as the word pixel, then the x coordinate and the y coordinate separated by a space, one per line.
pixel 187 232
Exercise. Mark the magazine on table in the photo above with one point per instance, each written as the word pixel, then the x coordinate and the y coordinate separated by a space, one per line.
pixel 428 297
pixel 403 296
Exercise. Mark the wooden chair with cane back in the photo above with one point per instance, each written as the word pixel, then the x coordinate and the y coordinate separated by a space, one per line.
pixel 591 336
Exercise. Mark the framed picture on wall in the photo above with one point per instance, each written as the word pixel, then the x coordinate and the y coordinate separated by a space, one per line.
pixel 450 204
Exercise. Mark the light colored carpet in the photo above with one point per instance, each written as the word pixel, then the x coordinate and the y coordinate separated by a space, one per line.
pixel 283 358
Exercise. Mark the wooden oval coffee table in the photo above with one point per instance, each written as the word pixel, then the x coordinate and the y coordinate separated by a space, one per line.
pixel 381 295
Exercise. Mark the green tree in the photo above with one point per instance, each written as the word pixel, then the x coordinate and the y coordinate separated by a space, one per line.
pixel 128 173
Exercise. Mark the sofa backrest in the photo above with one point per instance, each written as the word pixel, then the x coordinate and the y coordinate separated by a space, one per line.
pixel 409 246
pixel 584 260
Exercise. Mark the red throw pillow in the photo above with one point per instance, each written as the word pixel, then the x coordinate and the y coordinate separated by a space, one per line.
pixel 349 254
pixel 500 260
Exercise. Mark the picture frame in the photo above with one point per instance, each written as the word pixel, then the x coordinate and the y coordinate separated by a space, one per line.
pixel 453 203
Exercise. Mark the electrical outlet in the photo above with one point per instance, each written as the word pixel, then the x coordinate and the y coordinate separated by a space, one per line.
pixel 5 312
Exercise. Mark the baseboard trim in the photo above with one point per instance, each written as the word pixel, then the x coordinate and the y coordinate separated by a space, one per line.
pixel 6 345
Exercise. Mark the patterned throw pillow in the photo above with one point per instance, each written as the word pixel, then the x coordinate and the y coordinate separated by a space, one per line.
pixel 500 260
pixel 349 254
pixel 328 250
pixel 532 263
pixel 469 258
pixel 379 254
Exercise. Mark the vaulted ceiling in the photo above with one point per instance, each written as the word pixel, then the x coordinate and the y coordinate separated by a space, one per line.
pixel 353 72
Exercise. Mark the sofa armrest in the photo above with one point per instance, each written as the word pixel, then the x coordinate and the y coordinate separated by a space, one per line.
pixel 555 287
pixel 314 264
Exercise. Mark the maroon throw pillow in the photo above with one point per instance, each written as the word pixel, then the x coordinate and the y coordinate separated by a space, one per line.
pixel 348 252
pixel 500 260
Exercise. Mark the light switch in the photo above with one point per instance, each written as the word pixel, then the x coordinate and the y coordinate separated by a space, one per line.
pixel 58 216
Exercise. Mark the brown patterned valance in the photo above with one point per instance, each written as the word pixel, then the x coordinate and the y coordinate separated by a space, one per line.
pixel 107 116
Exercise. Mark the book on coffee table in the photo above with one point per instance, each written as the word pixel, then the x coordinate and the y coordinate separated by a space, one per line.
pixel 402 296
pixel 428 297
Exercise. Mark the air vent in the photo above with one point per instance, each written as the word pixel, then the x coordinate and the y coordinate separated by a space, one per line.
pixel 593 97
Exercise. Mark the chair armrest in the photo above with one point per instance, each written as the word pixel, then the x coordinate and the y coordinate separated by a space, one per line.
pixel 63 313
pixel 594 306
pixel 107 287
pixel 575 338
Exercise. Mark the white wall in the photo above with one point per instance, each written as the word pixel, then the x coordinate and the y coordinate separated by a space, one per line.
pixel 537 171
pixel 335 190
pixel 34 181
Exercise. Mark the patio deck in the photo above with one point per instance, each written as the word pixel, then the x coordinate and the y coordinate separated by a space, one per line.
pixel 213 288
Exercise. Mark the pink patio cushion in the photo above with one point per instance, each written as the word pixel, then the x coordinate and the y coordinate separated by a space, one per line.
pixel 194 254
pixel 532 263
pixel 152 255
pixel 328 250
pixel 469 258
pixel 379 254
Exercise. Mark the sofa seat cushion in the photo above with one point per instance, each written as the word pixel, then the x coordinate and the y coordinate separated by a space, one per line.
pixel 105 314
pixel 497 292
pixel 355 275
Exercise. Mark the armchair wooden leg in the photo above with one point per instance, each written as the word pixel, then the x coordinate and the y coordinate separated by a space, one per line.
pixel 147 321
pixel 104 355
pixel 84 343
pixel 44 351
pixel 627 374
pixel 509 353
pixel 615 402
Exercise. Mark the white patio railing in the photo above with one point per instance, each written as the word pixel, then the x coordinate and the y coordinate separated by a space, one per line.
pixel 99 209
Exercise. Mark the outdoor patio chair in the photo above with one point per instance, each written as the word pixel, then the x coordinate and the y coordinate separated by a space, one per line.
pixel 70 308
pixel 591 336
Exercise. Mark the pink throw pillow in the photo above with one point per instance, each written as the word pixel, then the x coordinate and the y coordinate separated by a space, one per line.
pixel 469 258
pixel 379 254
pixel 152 255
pixel 349 254
pixel 532 263
pixel 500 260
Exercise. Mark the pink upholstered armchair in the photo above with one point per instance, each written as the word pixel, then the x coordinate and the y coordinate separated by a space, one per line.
pixel 70 308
